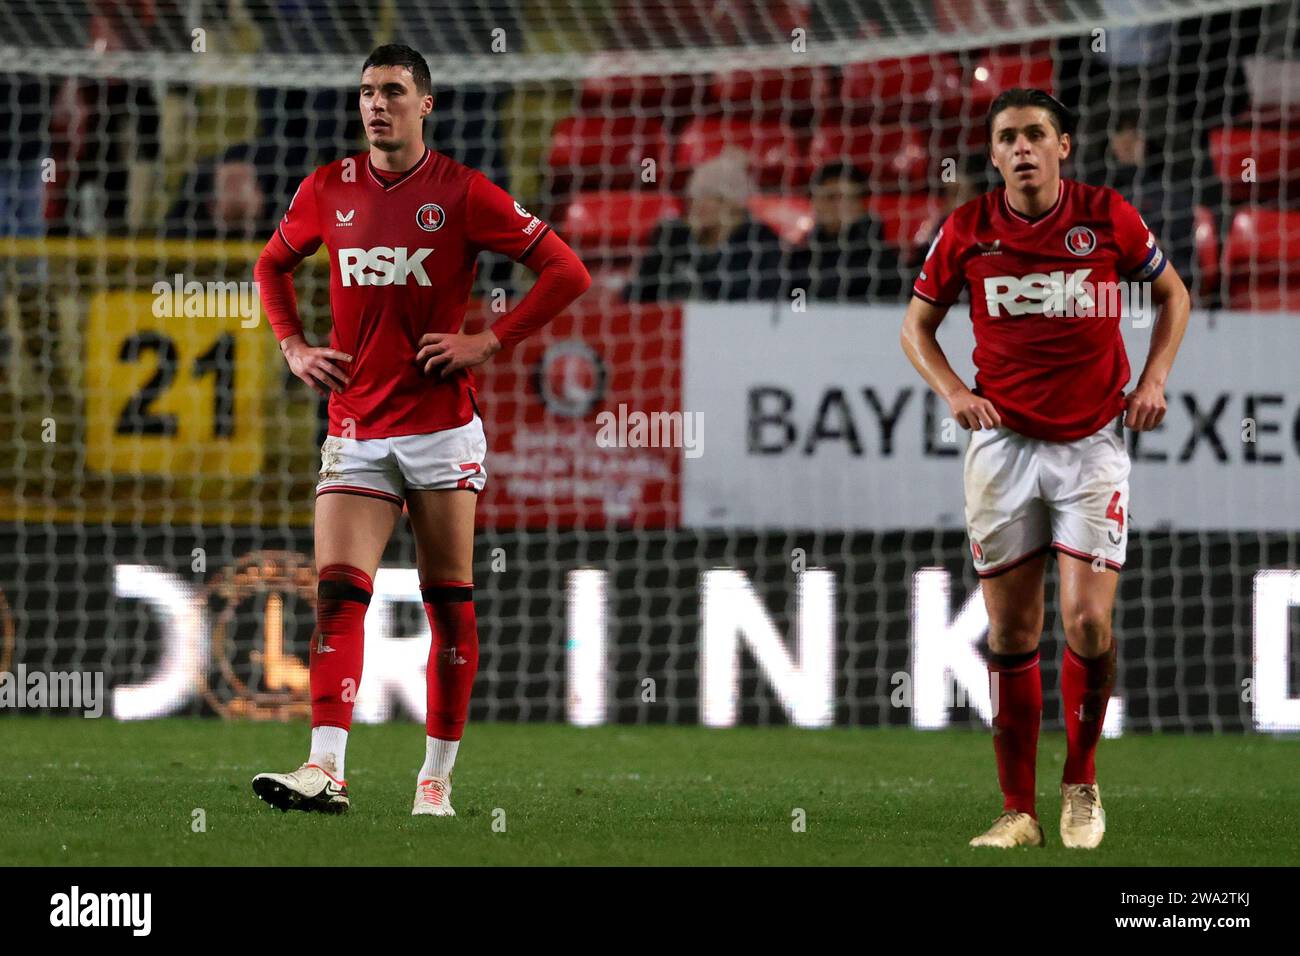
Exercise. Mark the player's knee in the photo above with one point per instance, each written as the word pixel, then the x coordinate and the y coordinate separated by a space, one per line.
pixel 1015 637
pixel 1088 629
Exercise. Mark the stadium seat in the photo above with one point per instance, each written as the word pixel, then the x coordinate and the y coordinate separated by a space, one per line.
pixel 1207 248
pixel 997 71
pixel 1268 297
pixel 1262 259
pixel 790 217
pixel 614 224
pixel 607 284
pixel 776 157
pixel 893 157
pixel 1274 153
pixel 916 87
pixel 589 151
pixel 908 219
pixel 972 16
pixel 769 92
pixel 614 92
pixel 990 74
pixel 958 16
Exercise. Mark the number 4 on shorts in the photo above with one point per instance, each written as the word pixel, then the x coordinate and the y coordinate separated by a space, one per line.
pixel 1115 512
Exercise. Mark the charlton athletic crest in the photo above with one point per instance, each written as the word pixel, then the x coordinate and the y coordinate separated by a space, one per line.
pixel 430 217
pixel 1081 240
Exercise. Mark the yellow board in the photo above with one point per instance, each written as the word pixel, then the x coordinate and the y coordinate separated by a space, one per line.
pixel 174 395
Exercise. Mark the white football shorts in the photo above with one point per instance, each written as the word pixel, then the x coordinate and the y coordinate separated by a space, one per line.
pixel 1025 496
pixel 389 467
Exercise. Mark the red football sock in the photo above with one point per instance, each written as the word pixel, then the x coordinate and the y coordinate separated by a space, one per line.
pixel 338 646
pixel 453 656
pixel 1017 691
pixel 1086 684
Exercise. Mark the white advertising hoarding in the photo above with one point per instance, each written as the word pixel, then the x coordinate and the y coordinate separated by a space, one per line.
pixel 817 420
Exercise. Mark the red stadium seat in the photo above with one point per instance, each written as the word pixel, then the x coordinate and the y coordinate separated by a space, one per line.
pixel 790 217
pixel 916 87
pixel 893 157
pixel 615 224
pixel 908 219
pixel 1207 248
pixel 769 92
pixel 1263 238
pixel 992 73
pixel 1271 297
pixel 1271 156
pixel 607 284
pixel 980 16
pixel 604 151
pixel 1262 258
pixel 614 92
pixel 959 16
pixel 995 72
pixel 775 154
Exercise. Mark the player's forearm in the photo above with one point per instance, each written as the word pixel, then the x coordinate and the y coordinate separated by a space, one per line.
pixel 273 273
pixel 1167 336
pixel 921 345
pixel 560 280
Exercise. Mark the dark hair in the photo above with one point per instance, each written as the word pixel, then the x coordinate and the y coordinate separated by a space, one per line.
pixel 397 54
pixel 835 171
pixel 1018 96
pixel 1128 120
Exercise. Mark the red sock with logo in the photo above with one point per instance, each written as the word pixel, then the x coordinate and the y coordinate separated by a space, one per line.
pixel 338 646
pixel 1016 689
pixel 453 656
pixel 1086 683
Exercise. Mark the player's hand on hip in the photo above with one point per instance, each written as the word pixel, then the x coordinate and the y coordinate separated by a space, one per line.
pixel 442 353
pixel 316 367
pixel 973 412
pixel 1146 407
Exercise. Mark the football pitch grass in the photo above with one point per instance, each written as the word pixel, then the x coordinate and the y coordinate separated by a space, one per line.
pixel 86 793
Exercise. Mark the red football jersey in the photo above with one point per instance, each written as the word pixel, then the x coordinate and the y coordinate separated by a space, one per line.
pixel 1048 350
pixel 403 255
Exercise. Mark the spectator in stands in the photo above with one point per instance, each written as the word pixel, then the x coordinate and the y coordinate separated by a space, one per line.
pixel 717 253
pixel 1186 76
pixel 970 181
pixel 846 257
pixel 1122 65
pixel 1169 210
pixel 310 126
pixel 107 130
pixel 232 197
pixel 24 141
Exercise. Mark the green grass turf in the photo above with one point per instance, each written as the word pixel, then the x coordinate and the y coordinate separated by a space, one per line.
pixel 79 792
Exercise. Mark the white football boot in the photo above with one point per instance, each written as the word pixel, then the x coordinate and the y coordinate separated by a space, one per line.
pixel 1012 828
pixel 433 798
pixel 1083 821
pixel 310 787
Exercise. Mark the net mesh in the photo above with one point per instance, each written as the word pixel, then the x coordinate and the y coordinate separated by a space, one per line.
pixel 156 501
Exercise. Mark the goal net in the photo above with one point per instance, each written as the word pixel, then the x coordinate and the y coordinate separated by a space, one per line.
pixel 717 492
